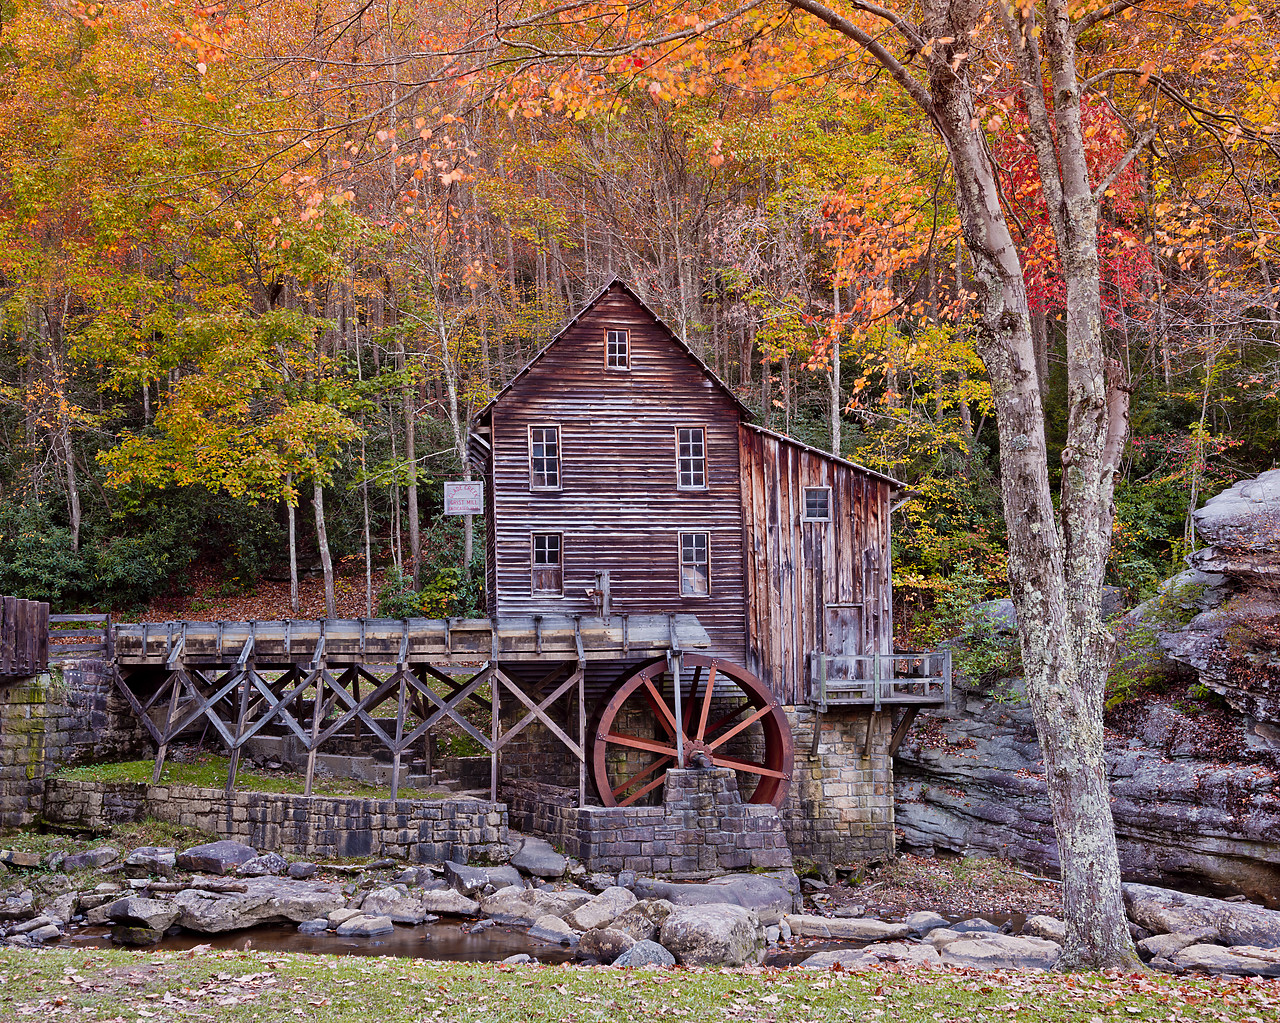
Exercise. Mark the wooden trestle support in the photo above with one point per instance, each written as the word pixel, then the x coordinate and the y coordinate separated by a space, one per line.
pixel 306 676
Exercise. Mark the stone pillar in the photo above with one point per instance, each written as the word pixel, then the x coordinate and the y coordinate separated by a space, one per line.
pixel 840 807
pixel 23 707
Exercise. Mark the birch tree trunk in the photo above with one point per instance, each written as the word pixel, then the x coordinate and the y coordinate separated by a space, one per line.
pixel 326 560
pixel 291 506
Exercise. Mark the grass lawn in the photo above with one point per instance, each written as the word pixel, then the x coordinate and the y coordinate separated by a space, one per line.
pixel 210 771
pixel 69 985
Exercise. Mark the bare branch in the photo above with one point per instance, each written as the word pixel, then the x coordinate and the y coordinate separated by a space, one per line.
pixel 1102 14
pixel 1124 162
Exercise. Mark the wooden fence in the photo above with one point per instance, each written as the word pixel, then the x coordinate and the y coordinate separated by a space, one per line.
pixel 72 637
pixel 24 637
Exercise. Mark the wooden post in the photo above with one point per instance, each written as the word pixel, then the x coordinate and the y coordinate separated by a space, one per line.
pixel 495 711
pixel 168 723
pixel 234 768
pixel 395 755
pixel 316 714
pixel 582 732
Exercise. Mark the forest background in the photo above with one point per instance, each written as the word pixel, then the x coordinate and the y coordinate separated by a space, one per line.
pixel 260 264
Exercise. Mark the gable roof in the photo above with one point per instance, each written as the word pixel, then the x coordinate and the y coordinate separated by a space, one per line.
pixel 675 338
pixel 818 452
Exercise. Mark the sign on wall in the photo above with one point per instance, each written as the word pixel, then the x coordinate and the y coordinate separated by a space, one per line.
pixel 464 497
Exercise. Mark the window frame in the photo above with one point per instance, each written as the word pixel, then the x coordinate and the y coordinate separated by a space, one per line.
pixel 626 333
pixel 533 562
pixel 804 512
pixel 559 485
pixel 680 562
pixel 705 460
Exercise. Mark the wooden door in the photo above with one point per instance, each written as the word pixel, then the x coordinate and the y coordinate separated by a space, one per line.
pixel 844 640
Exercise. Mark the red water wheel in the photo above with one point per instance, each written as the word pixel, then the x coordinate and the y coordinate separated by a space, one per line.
pixel 727 719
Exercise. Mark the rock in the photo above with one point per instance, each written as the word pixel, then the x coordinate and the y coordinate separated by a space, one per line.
pixel 215 857
pixel 523 907
pixel 399 905
pixel 63 908
pixel 1163 911
pixel 645 953
pixel 317 926
pixel 30 925
pixel 891 952
pixel 152 859
pixel 1001 952
pixel 804 926
pixel 18 906
pixel 17 858
pixel 1238 960
pixel 627 879
pixel 90 859
pixel 342 915
pixel 139 936
pixel 1165 946
pixel 598 882
pixel 468 880
pixel 363 926
pixel 301 870
pixel 49 932
pixel 604 944
pixel 381 863
pixel 1047 927
pixel 923 922
pixel 714 935
pixel 261 866
pixel 769 896
pixel 537 857
pixel 602 910
pixel 773 934
pixel 519 959
pixel 643 920
pixel 553 929
pixel 265 900
pixel 975 925
pixel 447 901
pixel 1243 517
pixel 136 912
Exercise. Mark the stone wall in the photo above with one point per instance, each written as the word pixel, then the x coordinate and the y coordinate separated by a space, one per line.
pixel 64 716
pixel 424 831
pixel 702 828
pixel 840 807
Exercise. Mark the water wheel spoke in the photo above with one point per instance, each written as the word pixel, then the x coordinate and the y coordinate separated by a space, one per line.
pixel 692 698
pixel 725 719
pixel 706 703
pixel 660 762
pixel 635 742
pixel 641 793
pixel 744 723
pixel 660 705
pixel 746 765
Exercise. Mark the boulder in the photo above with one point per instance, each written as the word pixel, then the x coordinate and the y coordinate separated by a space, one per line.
pixel 1238 960
pixel 49 932
pixel 602 910
pixel 1165 946
pixel 806 926
pixel 1047 927
pixel 19 905
pixel 18 858
pixel 714 935
pixel 923 922
pixel 401 906
pixel 342 915
pixel 151 860
pixel 90 859
pixel 769 896
pixel 215 857
pixel 553 929
pixel 363 926
pixel 975 925
pixel 604 944
pixel 136 936
pixel 599 881
pixel 1164 911
pixel 469 880
pixel 523 907
pixel 537 857
pixel 1002 952
pixel 301 870
pixel 261 866
pixel 136 912
pixel 265 900
pixel 645 953
pixel 519 959
pixel 448 902
pixel 941 937
pixel 872 955
pixel 63 908
pixel 1245 517
pixel 643 920
pixel 317 926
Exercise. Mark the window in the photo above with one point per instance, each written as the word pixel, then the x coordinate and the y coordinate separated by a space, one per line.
pixel 817 504
pixel 548 567
pixel 617 349
pixel 695 567
pixel 544 458
pixel 691 458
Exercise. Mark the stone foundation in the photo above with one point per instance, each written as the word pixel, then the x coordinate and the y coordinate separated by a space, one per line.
pixel 840 807
pixel 64 716
pixel 424 831
pixel 702 828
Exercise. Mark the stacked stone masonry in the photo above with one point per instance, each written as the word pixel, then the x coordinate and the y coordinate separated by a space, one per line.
pixel 702 828
pixel 324 827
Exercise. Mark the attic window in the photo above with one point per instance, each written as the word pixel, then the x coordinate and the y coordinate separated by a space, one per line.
pixel 617 349
pixel 817 504
pixel 544 458
pixel 691 458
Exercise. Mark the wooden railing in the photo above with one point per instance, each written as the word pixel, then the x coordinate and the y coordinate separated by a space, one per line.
pixel 24 637
pixel 73 637
pixel 908 677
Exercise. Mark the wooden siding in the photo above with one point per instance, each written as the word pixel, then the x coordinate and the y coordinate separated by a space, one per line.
pixel 796 570
pixel 619 507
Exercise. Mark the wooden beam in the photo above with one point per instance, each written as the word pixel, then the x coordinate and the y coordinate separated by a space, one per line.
pixel 904 726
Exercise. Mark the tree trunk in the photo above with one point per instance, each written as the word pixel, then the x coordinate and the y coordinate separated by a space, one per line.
pixel 291 505
pixel 326 561
pixel 837 403
pixel 411 464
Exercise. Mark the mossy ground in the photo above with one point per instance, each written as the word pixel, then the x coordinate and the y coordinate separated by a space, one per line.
pixel 238 987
